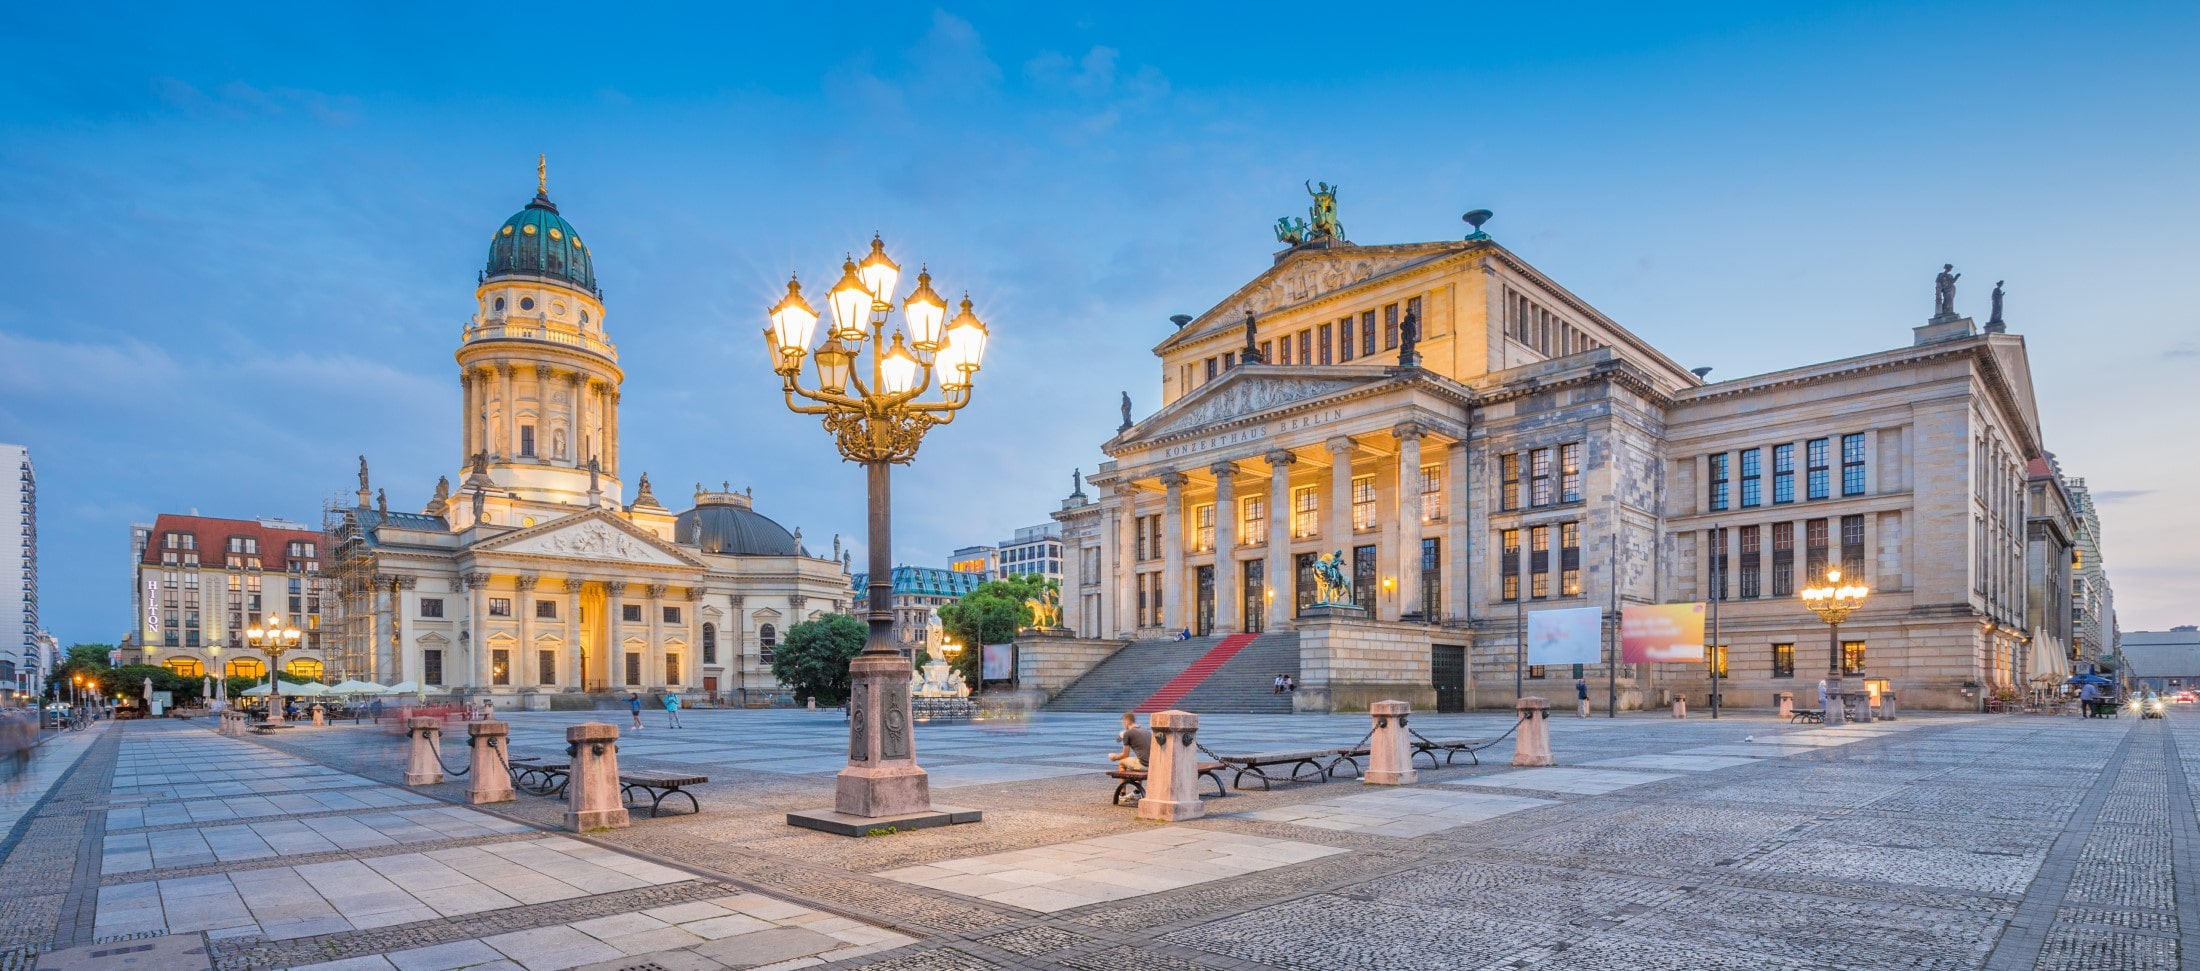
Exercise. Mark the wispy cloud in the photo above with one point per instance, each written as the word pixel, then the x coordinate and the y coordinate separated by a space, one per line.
pixel 2109 496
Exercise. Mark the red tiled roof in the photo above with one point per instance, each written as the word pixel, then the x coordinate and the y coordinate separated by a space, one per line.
pixel 213 537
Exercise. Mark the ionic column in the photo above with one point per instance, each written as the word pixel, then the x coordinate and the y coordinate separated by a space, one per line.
pixel 611 431
pixel 477 606
pixel 542 413
pixel 396 659
pixel 508 380
pixel 1172 552
pixel 691 663
pixel 1280 577
pixel 1228 590
pixel 467 414
pixel 573 633
pixel 1458 583
pixel 737 641
pixel 1337 531
pixel 614 653
pixel 379 621
pixel 523 603
pixel 1409 517
pixel 576 436
pixel 1126 559
pixel 653 661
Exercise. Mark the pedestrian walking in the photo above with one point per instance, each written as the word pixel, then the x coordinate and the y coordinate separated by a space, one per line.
pixel 672 709
pixel 1581 697
pixel 634 705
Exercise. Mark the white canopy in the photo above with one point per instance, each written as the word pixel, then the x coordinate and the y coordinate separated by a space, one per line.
pixel 405 687
pixel 308 689
pixel 2047 660
pixel 358 687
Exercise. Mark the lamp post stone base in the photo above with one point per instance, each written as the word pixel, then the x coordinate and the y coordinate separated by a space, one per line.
pixel 882 788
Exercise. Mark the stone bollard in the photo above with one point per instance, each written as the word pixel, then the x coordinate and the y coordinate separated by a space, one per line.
pixel 1786 701
pixel 490 778
pixel 421 766
pixel 1532 741
pixel 1172 777
pixel 319 717
pixel 1680 707
pixel 1887 705
pixel 229 723
pixel 592 789
pixel 1389 754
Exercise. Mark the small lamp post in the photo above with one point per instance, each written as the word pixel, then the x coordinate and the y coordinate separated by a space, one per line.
pixel 273 639
pixel 1833 602
pixel 878 421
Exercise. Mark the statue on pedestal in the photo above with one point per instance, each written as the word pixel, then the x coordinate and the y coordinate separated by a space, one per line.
pixel 1126 426
pixel 1332 585
pixel 1944 291
pixel 1324 214
pixel 1409 340
pixel 1995 317
pixel 1251 353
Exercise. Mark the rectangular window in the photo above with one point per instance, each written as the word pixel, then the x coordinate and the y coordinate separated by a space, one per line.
pixel 1539 477
pixel 1814 454
pixel 1752 478
pixel 1229 360
pixel 633 669
pixel 1852 465
pixel 1347 348
pixel 1211 362
pixel 1303 573
pixel 1783 474
pixel 1203 527
pixel 1390 327
pixel 1268 350
pixel 1432 493
pixel 500 667
pixel 1255 519
pixel 546 667
pixel 431 666
pixel 1432 577
pixel 1363 502
pixel 1138 529
pixel 1569 559
pixel 630 613
pixel 1539 562
pixel 500 606
pixel 1306 346
pixel 546 610
pixel 1719 472
pixel 1714 660
pixel 1508 564
pixel 1852 548
pixel 672 615
pixel 1752 560
pixel 1783 559
pixel 1305 511
pixel 1363 578
pixel 1141 600
pixel 1717 564
pixel 1323 343
pixel 1814 550
pixel 431 606
pixel 527 441
pixel 672 669
pixel 1783 660
pixel 1537 672
pixel 1852 657
pixel 1283 349
pixel 1153 580
pixel 1569 472
pixel 1508 481
pixel 1367 334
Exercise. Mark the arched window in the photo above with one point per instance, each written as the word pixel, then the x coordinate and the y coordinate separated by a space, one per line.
pixel 304 667
pixel 188 667
pixel 244 667
pixel 710 643
pixel 766 639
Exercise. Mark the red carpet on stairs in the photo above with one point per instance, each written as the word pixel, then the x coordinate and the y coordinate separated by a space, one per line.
pixel 1183 684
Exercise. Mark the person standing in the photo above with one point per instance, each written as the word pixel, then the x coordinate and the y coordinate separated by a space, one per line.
pixel 2087 695
pixel 634 706
pixel 1581 697
pixel 672 709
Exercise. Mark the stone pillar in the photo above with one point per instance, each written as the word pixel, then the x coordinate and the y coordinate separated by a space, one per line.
pixel 1409 518
pixel 1126 548
pixel 1172 553
pixel 882 777
pixel 319 717
pixel 1389 750
pixel 575 428
pixel 614 652
pixel 523 603
pixel 1680 706
pixel 477 599
pixel 1457 555
pixel 1337 528
pixel 490 777
pixel 653 660
pixel 1229 590
pixel 691 662
pixel 393 658
pixel 573 634
pixel 1532 742
pixel 421 767
pixel 1786 700
pixel 508 382
pixel 1280 577
pixel 592 790
pixel 1887 705
pixel 611 429
pixel 468 415
pixel 1172 778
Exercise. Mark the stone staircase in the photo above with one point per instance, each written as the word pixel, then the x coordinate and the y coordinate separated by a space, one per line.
pixel 1237 679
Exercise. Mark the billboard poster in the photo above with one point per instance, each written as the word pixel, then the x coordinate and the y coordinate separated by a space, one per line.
pixel 1574 635
pixel 997 662
pixel 1661 632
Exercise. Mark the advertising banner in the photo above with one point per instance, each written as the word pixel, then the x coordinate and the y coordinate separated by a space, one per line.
pixel 997 662
pixel 1574 635
pixel 1661 632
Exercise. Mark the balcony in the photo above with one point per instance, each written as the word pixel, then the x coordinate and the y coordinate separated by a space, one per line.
pixel 507 329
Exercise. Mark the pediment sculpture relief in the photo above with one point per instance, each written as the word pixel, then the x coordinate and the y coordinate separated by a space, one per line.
pixel 1250 397
pixel 593 541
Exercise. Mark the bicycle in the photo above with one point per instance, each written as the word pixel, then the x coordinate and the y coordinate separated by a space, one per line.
pixel 78 723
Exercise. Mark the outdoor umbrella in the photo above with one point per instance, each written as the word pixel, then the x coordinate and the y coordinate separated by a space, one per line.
pixel 358 687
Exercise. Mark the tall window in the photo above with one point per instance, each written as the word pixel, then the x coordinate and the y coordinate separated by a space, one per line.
pixel 1203 527
pixel 1367 333
pixel 1305 511
pixel 1303 574
pixel 1432 493
pixel 767 642
pixel 710 643
pixel 1321 342
pixel 1815 455
pixel 1508 564
pixel 1852 465
pixel 1363 578
pixel 1539 562
pixel 1283 349
pixel 1255 529
pixel 1719 473
pixel 500 667
pixel 1306 345
pixel 1346 346
pixel 431 666
pixel 1508 481
pixel 1432 577
pixel 1752 572
pixel 633 668
pixel 1783 473
pixel 1569 559
pixel 672 669
pixel 546 667
pixel 1569 472
pixel 1814 550
pixel 1752 478
pixel 1363 502
pixel 1783 559
pixel 1390 327
pixel 527 441
pixel 1539 477
pixel 1852 548
pixel 1783 660
pixel 1719 567
pixel 1852 657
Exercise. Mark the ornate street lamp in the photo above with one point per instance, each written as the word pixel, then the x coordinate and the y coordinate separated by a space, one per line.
pixel 878 420
pixel 1833 602
pixel 272 640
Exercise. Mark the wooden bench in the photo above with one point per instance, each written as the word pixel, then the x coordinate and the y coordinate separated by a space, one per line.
pixel 270 728
pixel 659 785
pixel 1258 764
pixel 1132 782
pixel 1451 747
pixel 1817 715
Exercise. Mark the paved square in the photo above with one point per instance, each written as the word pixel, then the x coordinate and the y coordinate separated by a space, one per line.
pixel 1058 877
pixel 1559 779
pixel 1399 812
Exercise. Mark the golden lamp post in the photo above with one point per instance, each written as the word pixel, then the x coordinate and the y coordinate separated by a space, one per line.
pixel 877 413
pixel 272 640
pixel 1833 602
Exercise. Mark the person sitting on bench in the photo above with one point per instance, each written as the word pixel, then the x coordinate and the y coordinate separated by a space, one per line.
pixel 1137 746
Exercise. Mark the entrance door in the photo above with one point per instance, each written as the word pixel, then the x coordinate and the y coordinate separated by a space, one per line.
pixel 1206 623
pixel 1448 668
pixel 1256 604
pixel 710 687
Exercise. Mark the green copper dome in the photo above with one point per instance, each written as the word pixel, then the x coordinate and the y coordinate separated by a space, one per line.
pixel 537 242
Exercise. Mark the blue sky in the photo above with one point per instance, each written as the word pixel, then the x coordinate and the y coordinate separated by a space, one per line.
pixel 236 247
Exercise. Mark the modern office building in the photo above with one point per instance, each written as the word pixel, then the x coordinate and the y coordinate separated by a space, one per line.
pixel 19 625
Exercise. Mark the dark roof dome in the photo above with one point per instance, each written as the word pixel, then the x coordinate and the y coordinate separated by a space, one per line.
pixel 537 242
pixel 730 528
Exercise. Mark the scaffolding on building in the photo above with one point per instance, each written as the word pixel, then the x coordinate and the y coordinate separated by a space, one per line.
pixel 347 609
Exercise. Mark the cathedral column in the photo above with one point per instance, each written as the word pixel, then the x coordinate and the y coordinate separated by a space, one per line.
pixel 477 605
pixel 1126 547
pixel 737 644
pixel 403 599
pixel 1228 590
pixel 573 633
pixel 466 413
pixel 523 603
pixel 543 451
pixel 614 653
pixel 691 661
pixel 1458 584
pixel 611 430
pixel 653 663
pixel 574 433
pixel 508 380
pixel 1409 518
pixel 1337 531
pixel 378 620
pixel 1172 552
pixel 1281 579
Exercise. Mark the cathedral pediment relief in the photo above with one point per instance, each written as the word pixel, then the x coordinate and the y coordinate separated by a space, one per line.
pixel 589 536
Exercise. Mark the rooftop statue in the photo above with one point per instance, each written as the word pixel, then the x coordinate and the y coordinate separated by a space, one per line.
pixel 1126 426
pixel 1944 291
pixel 1324 213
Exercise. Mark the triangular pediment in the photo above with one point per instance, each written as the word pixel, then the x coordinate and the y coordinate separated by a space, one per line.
pixel 1304 275
pixel 2016 369
pixel 595 535
pixel 1244 393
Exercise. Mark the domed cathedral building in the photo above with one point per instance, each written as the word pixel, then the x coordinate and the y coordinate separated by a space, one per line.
pixel 1477 442
pixel 540 573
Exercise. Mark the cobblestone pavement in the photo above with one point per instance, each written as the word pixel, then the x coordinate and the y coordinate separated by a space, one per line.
pixel 2000 842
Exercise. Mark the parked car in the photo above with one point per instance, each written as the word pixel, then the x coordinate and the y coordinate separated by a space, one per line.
pixel 2185 697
